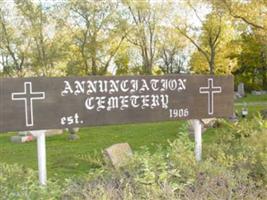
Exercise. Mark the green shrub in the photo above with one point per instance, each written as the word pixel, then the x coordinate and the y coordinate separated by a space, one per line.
pixel 234 167
pixel 18 182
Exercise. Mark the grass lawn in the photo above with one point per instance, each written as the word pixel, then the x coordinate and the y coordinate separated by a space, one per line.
pixel 252 98
pixel 73 158
pixel 251 108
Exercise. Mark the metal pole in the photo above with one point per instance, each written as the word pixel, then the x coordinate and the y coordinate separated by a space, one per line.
pixel 198 139
pixel 41 152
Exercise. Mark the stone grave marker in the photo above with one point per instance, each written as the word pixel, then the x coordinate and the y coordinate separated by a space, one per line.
pixel 118 154
pixel 258 92
pixel 241 89
pixel 73 133
pixel 22 137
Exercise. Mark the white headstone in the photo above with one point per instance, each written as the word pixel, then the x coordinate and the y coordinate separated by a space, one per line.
pixel 241 89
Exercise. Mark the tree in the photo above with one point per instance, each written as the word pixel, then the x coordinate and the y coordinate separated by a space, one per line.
pixel 170 57
pixel 252 61
pixel 253 12
pixel 211 35
pixel 145 17
pixel 45 49
pixel 223 51
pixel 122 60
pixel 13 46
pixel 97 32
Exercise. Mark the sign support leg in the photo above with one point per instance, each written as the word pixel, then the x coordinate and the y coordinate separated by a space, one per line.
pixel 41 152
pixel 198 139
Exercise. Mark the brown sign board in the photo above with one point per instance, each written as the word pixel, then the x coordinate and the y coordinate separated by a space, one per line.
pixel 48 103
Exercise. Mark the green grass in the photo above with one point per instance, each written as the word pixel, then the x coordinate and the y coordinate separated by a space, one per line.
pixel 252 98
pixel 251 109
pixel 70 158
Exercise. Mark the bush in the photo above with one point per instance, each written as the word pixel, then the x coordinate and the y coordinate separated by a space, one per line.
pixel 234 167
pixel 18 182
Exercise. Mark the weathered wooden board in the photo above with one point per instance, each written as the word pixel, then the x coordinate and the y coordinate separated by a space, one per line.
pixel 47 103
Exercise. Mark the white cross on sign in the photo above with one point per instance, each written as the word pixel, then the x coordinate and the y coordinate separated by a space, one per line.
pixel 210 90
pixel 28 96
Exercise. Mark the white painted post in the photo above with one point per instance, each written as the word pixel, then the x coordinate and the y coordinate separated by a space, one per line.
pixel 198 139
pixel 41 152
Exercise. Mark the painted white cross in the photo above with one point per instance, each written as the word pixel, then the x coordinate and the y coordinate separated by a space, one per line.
pixel 210 90
pixel 28 96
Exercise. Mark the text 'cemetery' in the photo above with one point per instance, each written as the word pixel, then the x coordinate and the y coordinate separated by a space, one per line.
pixel 44 103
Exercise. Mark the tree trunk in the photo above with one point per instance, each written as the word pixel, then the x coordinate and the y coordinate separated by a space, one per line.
pixel 212 61
pixel 264 77
pixel 93 56
pixel 94 68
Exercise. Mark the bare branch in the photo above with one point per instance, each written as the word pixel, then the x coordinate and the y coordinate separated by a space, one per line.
pixel 194 43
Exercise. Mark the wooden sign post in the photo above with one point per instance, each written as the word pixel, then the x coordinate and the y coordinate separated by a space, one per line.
pixel 48 103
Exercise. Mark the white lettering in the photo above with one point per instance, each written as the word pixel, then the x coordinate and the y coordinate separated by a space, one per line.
pixel 113 86
pixel 172 85
pixel 144 86
pixel 123 85
pixel 133 100
pixel 100 103
pixel 67 89
pixel 79 87
pixel 153 83
pixel 103 86
pixel 181 85
pixel 145 101
pixel 164 101
pixel 89 104
pixel 155 101
pixel 134 86
pixel 124 100
pixel 113 103
pixel 91 87
pixel 164 84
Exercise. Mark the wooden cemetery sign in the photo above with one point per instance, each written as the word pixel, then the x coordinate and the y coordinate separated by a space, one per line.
pixel 48 103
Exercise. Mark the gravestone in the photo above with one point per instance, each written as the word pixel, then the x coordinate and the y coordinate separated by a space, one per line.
pixel 73 133
pixel 258 92
pixel 27 136
pixel 237 96
pixel 118 154
pixel 53 132
pixel 241 89
pixel 50 132
pixel 22 137
pixel 209 123
pixel 244 110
